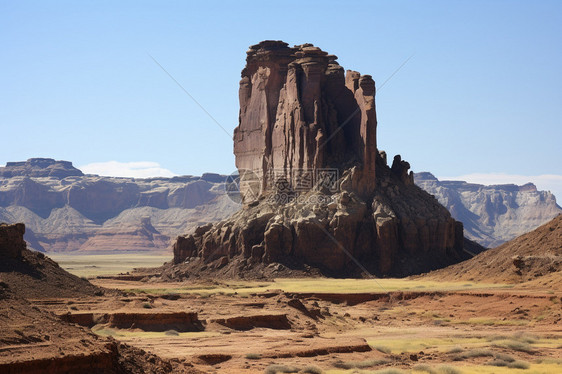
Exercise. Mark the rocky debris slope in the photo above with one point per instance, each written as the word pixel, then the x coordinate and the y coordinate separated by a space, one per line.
pixel 65 210
pixel 492 215
pixel 533 255
pixel 33 341
pixel 315 188
pixel 33 275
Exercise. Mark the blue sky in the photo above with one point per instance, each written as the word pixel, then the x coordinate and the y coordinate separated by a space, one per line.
pixel 480 96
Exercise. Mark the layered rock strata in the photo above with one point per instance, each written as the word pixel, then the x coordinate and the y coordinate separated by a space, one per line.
pixel 65 210
pixel 494 214
pixel 315 188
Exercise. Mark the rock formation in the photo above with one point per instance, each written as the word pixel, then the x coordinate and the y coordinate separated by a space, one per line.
pixel 492 215
pixel 31 274
pixel 536 255
pixel 11 240
pixel 315 188
pixel 132 237
pixel 293 102
pixel 65 210
pixel 39 167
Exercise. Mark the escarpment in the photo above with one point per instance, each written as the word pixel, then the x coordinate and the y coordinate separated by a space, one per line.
pixel 315 188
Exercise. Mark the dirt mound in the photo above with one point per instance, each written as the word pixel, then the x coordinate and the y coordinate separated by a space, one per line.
pixel 33 275
pixel 526 258
pixel 235 268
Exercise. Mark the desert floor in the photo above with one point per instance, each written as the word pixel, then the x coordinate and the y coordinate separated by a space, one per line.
pixel 325 325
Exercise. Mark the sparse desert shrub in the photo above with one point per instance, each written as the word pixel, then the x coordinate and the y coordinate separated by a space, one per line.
pixel 525 338
pixel 478 353
pixel 311 370
pixel 171 333
pixel 473 353
pixel 456 349
pixel 518 365
pixel 147 306
pixel 360 364
pixel 253 356
pixel 512 365
pixel 425 368
pixel 555 361
pixel 382 348
pixel 515 345
pixel 448 370
pixel 274 369
pixel 390 371
pixel 504 357
pixel 499 363
pixel 493 338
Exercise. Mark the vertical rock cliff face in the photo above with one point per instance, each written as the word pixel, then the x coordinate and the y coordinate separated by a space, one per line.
pixel 314 187
pixel 11 240
pixel 300 114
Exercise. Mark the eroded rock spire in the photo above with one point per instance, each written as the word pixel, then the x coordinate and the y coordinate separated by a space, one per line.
pixel 299 114
pixel 316 191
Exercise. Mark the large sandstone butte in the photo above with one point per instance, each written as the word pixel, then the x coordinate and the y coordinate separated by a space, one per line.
pixel 299 113
pixel 315 189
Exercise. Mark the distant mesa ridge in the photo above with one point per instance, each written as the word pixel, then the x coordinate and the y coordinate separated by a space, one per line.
pixel 492 214
pixel 66 210
pixel 175 207
pixel 40 167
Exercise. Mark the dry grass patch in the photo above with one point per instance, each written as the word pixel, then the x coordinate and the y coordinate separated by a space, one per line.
pixel 121 334
pixel 108 264
pixel 361 364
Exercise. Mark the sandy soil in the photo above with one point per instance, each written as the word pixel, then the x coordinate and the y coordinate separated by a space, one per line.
pixel 243 331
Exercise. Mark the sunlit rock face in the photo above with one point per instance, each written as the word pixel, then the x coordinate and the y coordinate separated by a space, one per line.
pixel 300 113
pixel 315 189
pixel 494 214
pixel 66 211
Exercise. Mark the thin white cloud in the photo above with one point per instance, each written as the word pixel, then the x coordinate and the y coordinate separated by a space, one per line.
pixel 546 182
pixel 139 169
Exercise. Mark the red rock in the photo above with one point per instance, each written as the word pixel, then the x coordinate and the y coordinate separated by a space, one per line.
pixel 293 103
pixel 301 118
pixel 11 240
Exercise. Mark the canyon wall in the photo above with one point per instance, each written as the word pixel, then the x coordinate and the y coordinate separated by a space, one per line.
pixel 493 214
pixel 65 210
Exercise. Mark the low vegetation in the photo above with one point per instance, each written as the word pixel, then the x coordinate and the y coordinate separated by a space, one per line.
pixel 244 288
pixel 361 364
pixel 473 354
pixel 253 356
pixel 275 369
pixel 90 266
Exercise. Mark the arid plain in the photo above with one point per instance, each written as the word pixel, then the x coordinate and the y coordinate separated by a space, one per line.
pixel 424 324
